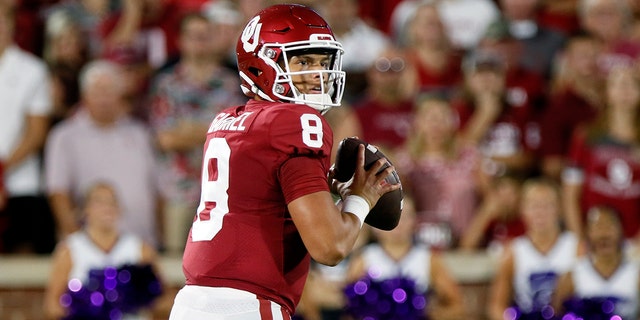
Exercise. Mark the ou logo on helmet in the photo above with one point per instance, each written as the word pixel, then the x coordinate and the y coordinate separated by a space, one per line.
pixel 250 34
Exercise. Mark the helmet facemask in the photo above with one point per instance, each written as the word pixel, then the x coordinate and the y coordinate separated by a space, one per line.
pixel 332 78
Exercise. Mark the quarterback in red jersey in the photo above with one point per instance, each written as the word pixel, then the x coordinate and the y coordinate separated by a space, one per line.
pixel 266 206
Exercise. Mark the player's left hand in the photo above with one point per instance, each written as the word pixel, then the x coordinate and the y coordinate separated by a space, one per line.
pixel 340 188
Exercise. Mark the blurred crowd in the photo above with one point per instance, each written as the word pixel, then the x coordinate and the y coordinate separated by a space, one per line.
pixel 506 119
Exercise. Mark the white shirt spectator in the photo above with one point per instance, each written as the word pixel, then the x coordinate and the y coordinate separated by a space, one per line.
pixel 362 46
pixel 465 20
pixel 24 91
pixel 80 154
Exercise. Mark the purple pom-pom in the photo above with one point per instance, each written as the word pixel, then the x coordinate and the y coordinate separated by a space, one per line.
pixel 596 308
pixel 109 293
pixel 389 299
pixel 544 313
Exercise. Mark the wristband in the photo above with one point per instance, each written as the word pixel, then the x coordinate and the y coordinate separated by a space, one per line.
pixel 358 206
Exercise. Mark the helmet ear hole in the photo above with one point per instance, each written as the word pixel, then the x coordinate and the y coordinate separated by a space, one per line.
pixel 255 71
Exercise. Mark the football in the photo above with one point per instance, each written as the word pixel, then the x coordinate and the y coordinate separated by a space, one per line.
pixel 385 215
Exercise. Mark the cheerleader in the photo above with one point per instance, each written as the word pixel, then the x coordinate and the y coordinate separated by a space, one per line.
pixel 530 265
pixel 396 260
pixel 604 284
pixel 84 257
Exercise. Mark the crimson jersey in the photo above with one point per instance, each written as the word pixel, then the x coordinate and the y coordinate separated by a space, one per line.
pixel 257 159
pixel 566 111
pixel 610 172
pixel 445 80
pixel 386 126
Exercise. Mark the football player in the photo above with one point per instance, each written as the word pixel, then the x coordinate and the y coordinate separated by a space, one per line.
pixel 266 206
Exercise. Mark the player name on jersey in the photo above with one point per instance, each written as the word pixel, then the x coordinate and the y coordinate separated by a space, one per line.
pixel 226 122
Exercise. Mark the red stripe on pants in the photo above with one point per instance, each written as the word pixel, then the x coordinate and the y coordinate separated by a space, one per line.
pixel 265 309
pixel 285 314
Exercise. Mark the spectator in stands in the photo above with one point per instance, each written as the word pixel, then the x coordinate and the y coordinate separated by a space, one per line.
pixel 227 23
pixel 248 8
pixel 525 88
pixel 605 284
pixel 524 91
pixel 603 167
pixel 497 219
pixel 183 100
pixel 88 15
pixel 530 264
pixel 576 98
pixel 395 255
pixel 28 22
pixel 559 15
pixel 465 21
pixel 435 64
pixel 24 122
pixel 362 43
pixel 610 21
pixel 65 43
pixel 99 245
pixel 136 75
pixel 101 142
pixel 442 169
pixel 66 52
pixel 150 26
pixel 378 13
pixel 385 112
pixel 500 124
pixel 540 44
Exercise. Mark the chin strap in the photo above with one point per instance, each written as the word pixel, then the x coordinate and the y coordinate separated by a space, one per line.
pixel 319 101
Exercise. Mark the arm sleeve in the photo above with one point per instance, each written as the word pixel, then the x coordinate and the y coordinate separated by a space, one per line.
pixel 300 176
pixel 306 139
pixel 40 101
